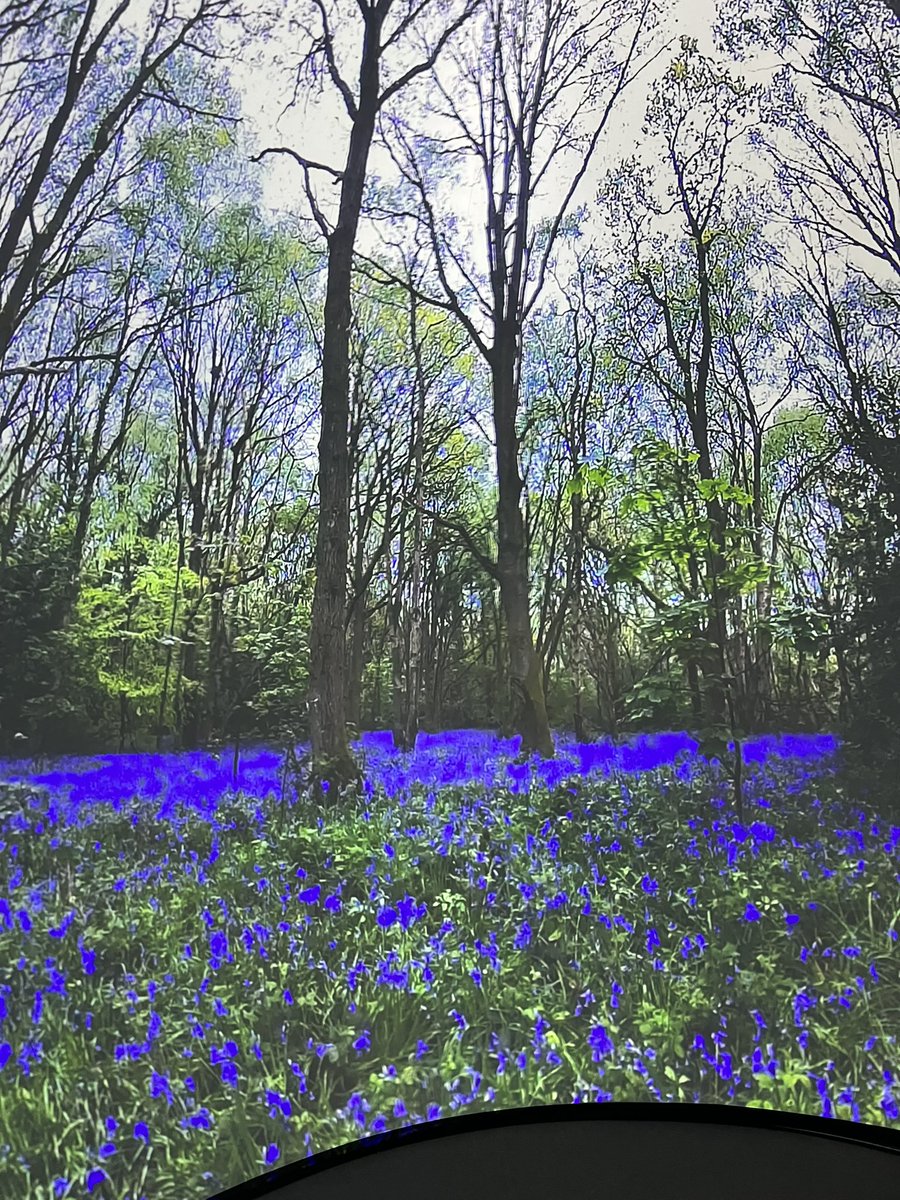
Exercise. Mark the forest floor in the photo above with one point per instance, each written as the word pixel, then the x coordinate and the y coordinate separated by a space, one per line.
pixel 203 978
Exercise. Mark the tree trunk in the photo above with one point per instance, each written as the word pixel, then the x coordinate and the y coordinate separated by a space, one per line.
pixel 427 629
pixel 331 755
pixel 501 678
pixel 190 698
pixel 845 702
pixel 525 668
pixel 162 729
pixel 214 656
pixel 399 670
pixel 693 676
pixel 414 605
pixel 414 659
pixel 577 569
pixel 485 659
pixel 435 655
pixel 357 662
pixel 742 697
pixel 125 650
pixel 713 661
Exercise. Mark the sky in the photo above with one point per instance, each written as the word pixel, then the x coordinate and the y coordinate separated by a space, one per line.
pixel 317 126
pixel 320 129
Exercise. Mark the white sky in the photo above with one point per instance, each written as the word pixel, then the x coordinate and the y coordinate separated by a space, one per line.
pixel 320 129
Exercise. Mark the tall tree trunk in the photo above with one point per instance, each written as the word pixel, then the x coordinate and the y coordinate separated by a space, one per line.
pixel 190 698
pixel 125 650
pixel 485 658
pixel 399 680
pixel 761 680
pixel 375 705
pixel 428 639
pixel 693 677
pixel 577 569
pixel 742 695
pixel 414 657
pixel 501 675
pixel 692 665
pixel 525 667
pixel 715 633
pixel 718 692
pixel 436 657
pixel 414 609
pixel 614 658
pixel 399 662
pixel 215 650
pixel 162 729
pixel 332 760
pixel 357 663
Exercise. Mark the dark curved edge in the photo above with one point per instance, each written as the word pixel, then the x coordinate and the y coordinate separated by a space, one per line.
pixel 872 1137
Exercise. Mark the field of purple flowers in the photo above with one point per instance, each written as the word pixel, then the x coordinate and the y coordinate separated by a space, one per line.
pixel 201 976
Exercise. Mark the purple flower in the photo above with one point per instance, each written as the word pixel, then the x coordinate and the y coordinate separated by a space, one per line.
pixel 599 1042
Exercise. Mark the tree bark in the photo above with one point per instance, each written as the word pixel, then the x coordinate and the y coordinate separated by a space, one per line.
pixel 190 698
pixel 577 568
pixel 525 667
pixel 357 662
pixel 331 755
pixel 414 610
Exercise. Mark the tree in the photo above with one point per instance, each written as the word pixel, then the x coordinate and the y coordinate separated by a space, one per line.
pixel 832 139
pixel 332 760
pixel 64 148
pixel 66 428
pixel 572 394
pixel 228 362
pixel 670 297
pixel 511 105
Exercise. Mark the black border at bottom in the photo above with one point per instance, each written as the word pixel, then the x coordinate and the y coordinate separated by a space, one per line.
pixel 865 1136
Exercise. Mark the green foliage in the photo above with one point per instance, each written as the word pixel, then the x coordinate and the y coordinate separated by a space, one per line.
pixel 271 663
pixel 587 477
pixel 798 433
pixel 119 634
pixel 670 503
pixel 178 150
pixel 36 586
pixel 803 627
pixel 656 699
